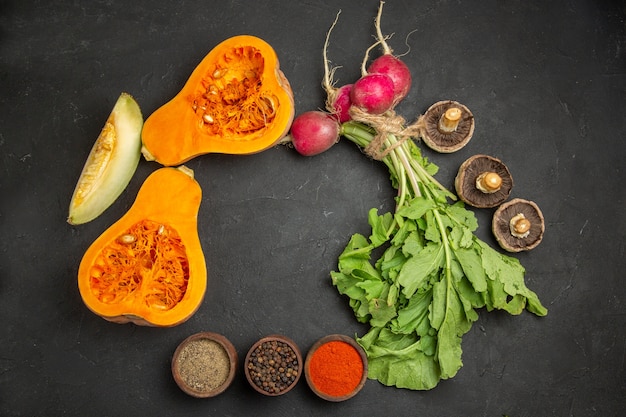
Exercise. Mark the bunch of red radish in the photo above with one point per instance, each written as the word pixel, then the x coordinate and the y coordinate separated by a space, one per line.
pixel 382 85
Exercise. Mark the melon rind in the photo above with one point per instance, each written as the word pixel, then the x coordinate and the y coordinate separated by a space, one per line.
pixel 109 167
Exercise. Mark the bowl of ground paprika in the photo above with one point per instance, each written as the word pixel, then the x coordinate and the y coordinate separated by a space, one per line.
pixel 273 365
pixel 335 367
pixel 204 364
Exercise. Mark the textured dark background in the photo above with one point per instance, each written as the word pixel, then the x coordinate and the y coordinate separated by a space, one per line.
pixel 545 81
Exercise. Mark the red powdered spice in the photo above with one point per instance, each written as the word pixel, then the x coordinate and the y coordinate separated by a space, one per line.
pixel 336 368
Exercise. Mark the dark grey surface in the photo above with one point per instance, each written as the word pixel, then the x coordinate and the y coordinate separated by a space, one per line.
pixel 546 83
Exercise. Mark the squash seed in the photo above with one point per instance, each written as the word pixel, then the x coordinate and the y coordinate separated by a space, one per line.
pixel 127 239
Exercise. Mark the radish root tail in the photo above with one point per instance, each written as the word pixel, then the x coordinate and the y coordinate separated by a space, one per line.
pixel 386 48
pixel 380 40
pixel 328 82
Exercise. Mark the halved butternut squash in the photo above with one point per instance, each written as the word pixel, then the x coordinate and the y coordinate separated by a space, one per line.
pixel 236 101
pixel 148 267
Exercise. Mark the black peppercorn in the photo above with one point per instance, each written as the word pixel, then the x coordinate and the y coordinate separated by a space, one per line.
pixel 272 366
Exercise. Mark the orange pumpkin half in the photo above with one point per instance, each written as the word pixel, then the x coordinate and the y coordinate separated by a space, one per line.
pixel 236 101
pixel 148 267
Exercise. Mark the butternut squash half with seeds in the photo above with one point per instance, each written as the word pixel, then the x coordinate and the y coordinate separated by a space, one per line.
pixel 236 101
pixel 148 268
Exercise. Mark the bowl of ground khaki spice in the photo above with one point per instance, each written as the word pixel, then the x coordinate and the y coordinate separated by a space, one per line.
pixel 204 364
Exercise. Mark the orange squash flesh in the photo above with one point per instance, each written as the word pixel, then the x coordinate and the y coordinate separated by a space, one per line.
pixel 148 267
pixel 236 101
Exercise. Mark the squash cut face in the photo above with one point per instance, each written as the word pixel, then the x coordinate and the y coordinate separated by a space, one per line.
pixel 148 267
pixel 231 100
pixel 236 101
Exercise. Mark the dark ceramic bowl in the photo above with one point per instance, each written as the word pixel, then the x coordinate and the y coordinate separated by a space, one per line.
pixel 204 364
pixel 273 365
pixel 352 390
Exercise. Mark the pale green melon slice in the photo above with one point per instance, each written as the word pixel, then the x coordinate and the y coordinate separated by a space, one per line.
pixel 111 163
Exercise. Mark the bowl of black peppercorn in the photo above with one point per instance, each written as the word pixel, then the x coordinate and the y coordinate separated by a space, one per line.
pixel 273 365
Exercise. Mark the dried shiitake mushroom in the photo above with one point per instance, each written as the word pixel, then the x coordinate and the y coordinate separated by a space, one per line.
pixel 449 126
pixel 483 181
pixel 518 225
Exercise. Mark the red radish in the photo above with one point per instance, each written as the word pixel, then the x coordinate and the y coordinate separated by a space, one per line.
pixel 314 132
pixel 342 103
pixel 396 70
pixel 373 93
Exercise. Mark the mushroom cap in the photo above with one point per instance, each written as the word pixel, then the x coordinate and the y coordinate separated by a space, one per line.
pixel 444 142
pixel 502 231
pixel 465 181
